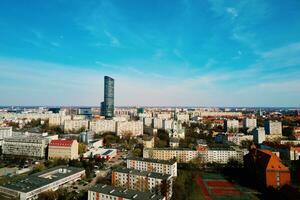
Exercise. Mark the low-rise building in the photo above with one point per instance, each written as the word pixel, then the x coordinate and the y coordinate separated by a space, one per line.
pixel 106 154
pixel 153 165
pixel 65 149
pixel 51 179
pixel 157 183
pixel 107 192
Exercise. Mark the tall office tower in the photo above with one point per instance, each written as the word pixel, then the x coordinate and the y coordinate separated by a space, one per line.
pixel 107 107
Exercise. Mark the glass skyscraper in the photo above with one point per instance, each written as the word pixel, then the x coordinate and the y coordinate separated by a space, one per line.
pixel 108 106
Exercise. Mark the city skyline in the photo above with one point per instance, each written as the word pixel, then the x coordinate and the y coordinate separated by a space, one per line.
pixel 184 53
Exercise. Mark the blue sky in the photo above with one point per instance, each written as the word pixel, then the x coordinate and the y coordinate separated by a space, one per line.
pixel 172 52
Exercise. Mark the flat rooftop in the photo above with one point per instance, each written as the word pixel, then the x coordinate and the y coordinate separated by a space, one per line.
pixel 142 173
pixel 125 193
pixel 167 162
pixel 41 179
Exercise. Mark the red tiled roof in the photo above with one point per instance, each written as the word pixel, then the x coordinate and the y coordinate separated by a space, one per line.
pixel 63 143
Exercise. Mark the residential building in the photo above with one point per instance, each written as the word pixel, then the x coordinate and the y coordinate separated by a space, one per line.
pixel 148 141
pixel 157 183
pixel 157 122
pixel 65 149
pixel 107 106
pixel 5 132
pixel 133 128
pixel 75 125
pixel 273 128
pixel 86 137
pixel 231 125
pixel 174 142
pixel 250 123
pixel 223 155
pixel 102 126
pixel 259 135
pixel 181 155
pixel 182 117
pixel 107 192
pixel 51 179
pixel 153 165
pixel 31 146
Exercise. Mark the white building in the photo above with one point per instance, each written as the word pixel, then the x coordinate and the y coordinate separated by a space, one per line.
pixel 250 123
pixel 273 128
pixel 181 155
pixel 51 179
pixel 157 123
pixel 259 135
pixel 182 117
pixel 5 132
pixel 25 146
pixel 102 126
pixel 153 165
pixel 135 128
pixel 232 125
pixel 224 155
pixel 147 121
pixel 74 125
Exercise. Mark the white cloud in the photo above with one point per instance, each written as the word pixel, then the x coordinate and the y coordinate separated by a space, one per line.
pixel 233 12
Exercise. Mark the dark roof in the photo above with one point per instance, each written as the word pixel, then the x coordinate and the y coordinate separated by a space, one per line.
pixel 142 173
pixel 38 180
pixel 125 193
pixel 167 162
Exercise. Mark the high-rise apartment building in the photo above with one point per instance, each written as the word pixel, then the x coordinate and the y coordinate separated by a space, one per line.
pixel 273 128
pixel 107 106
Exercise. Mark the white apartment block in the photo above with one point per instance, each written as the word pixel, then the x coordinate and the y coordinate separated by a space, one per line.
pixel 238 138
pixel 147 121
pixel 24 146
pixel 273 128
pixel 101 126
pixel 58 120
pixel 224 155
pixel 181 155
pixel 148 142
pixel 71 125
pixel 135 128
pixel 167 124
pixel 153 165
pixel 5 132
pixel 183 117
pixel 157 123
pixel 250 123
pixel 163 115
pixel 108 192
pixel 259 135
pixel 143 181
pixel 232 125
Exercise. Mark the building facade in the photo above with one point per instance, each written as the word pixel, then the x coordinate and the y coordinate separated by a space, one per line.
pixel 75 125
pixel 273 128
pixel 108 106
pixel 259 135
pixel 25 146
pixel 157 183
pixel 153 165
pixel 134 128
pixel 65 149
pixel 102 126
